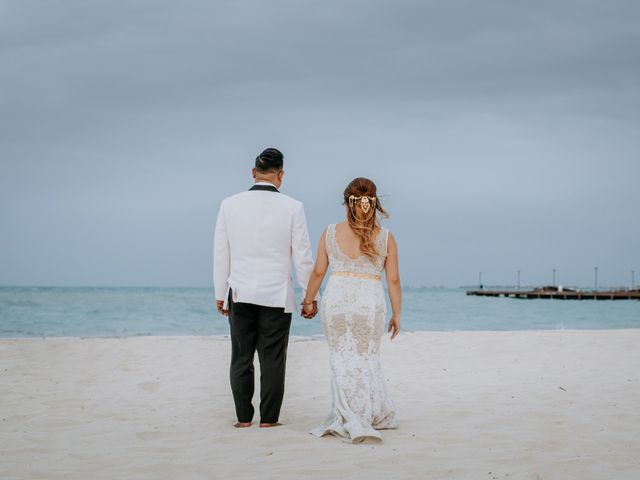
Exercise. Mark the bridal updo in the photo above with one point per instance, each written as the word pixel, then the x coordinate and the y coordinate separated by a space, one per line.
pixel 364 211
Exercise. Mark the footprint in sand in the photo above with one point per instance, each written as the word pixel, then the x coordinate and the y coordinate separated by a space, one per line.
pixel 150 386
pixel 152 435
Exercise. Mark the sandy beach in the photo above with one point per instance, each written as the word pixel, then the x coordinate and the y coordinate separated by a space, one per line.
pixel 472 405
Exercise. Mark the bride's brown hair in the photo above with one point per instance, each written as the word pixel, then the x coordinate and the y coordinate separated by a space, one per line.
pixel 363 212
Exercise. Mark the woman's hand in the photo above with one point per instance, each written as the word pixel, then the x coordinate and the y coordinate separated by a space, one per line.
pixel 394 326
pixel 393 284
pixel 309 310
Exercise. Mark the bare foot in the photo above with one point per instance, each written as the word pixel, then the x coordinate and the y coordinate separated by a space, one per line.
pixel 242 424
pixel 269 425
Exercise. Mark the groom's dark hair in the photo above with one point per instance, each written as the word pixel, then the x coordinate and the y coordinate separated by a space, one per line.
pixel 270 160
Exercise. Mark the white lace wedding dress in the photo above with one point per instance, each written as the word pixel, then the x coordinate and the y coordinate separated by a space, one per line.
pixel 353 315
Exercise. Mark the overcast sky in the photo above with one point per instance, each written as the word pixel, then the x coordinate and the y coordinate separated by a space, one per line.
pixel 504 135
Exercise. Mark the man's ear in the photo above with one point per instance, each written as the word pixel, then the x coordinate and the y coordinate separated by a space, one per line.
pixel 253 172
pixel 280 175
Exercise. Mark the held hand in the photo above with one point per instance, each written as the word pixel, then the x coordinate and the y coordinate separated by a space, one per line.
pixel 309 310
pixel 394 327
pixel 221 311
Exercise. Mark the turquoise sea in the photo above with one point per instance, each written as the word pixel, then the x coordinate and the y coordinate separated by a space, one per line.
pixel 116 312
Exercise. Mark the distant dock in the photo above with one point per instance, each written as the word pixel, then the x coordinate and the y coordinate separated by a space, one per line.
pixel 559 294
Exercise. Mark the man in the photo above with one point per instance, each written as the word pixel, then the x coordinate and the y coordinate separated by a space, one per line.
pixel 258 234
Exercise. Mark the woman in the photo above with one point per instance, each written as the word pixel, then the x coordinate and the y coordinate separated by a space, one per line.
pixel 353 311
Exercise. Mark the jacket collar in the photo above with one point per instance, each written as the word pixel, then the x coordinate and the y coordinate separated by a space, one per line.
pixel 264 186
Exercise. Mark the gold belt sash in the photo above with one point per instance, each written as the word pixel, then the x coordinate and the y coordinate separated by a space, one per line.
pixel 357 275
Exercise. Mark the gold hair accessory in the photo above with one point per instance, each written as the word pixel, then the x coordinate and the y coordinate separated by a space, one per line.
pixel 366 202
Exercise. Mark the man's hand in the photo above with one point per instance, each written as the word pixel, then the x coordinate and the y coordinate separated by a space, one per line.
pixel 221 311
pixel 310 310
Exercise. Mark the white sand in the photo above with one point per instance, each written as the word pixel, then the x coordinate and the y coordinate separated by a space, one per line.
pixel 473 405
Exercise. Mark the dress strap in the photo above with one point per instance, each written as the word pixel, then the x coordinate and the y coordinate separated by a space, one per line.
pixel 386 241
pixel 331 228
pixel 328 237
pixel 382 242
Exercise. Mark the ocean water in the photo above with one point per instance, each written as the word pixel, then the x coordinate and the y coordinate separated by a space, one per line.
pixel 116 312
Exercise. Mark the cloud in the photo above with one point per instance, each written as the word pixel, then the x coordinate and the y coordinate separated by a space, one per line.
pixel 492 126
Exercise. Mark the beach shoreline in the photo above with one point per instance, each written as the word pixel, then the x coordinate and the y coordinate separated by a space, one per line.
pixel 306 338
pixel 472 404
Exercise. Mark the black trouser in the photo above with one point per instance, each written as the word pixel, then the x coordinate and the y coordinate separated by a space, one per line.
pixel 267 330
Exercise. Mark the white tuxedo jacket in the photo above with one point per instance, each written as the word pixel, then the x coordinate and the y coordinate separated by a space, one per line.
pixel 259 234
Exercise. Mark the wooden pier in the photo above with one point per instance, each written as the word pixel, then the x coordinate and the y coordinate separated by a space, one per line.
pixel 555 293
